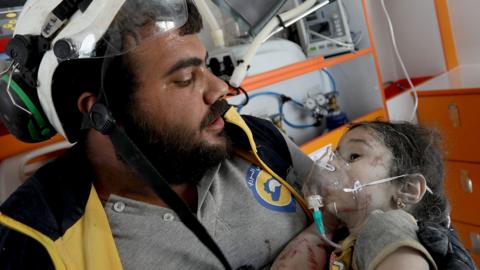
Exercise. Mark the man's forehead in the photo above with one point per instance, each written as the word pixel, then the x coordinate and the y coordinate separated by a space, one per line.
pixel 168 53
pixel 171 46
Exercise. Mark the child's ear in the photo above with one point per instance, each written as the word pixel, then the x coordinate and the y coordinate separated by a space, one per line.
pixel 412 191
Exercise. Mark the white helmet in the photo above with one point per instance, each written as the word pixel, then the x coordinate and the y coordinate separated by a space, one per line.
pixel 49 32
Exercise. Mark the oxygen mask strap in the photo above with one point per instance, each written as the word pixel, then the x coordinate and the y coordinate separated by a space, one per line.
pixel 358 186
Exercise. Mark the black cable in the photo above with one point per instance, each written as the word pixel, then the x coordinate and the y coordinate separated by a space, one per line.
pixel 247 97
pixel 239 90
pixel 281 22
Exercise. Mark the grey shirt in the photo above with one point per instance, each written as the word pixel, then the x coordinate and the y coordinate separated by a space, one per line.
pixel 247 212
pixel 383 234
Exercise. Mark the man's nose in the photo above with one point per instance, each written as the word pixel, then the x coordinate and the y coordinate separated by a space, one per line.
pixel 216 89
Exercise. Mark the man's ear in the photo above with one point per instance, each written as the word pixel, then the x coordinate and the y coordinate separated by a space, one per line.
pixel 412 191
pixel 86 101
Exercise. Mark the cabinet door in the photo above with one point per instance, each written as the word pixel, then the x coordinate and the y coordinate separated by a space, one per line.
pixel 470 236
pixel 457 118
pixel 463 190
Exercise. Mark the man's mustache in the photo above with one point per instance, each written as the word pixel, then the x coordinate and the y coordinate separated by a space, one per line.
pixel 216 110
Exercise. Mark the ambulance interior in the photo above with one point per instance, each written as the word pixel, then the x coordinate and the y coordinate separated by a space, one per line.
pixel 332 63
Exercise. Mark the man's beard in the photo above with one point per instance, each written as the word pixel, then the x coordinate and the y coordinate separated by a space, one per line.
pixel 176 152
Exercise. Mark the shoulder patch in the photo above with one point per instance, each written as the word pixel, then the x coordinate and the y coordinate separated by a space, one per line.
pixel 268 191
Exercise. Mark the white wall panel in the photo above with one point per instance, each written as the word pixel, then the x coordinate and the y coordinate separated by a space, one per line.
pixel 464 15
pixel 418 38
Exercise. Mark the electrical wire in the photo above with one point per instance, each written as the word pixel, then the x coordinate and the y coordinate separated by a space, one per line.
pixel 392 34
pixel 346 45
pixel 10 66
pixel 356 37
pixel 10 96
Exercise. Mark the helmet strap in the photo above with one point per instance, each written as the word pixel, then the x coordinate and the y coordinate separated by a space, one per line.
pixel 101 119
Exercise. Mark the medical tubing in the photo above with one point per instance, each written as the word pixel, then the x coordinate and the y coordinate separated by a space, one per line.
pixel 216 32
pixel 280 107
pixel 250 97
pixel 399 58
pixel 318 217
pixel 332 80
pixel 241 70
pixel 330 242
pixel 290 124
pixel 267 93
pixel 315 202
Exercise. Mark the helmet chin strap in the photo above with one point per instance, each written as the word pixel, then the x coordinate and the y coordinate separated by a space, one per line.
pixel 101 119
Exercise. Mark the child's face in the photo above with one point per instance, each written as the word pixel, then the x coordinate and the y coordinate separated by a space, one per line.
pixel 362 157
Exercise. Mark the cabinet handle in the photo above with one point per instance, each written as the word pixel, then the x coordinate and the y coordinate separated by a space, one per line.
pixel 475 238
pixel 467 183
pixel 454 115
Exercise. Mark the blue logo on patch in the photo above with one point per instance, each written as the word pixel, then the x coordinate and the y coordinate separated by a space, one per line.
pixel 268 191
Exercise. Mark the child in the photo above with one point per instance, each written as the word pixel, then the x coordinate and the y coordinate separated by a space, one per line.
pixel 384 182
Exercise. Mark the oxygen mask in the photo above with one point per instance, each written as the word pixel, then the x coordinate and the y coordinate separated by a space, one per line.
pixel 348 188
pixel 329 175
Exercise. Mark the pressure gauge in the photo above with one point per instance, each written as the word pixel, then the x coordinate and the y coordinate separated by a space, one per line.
pixel 321 100
pixel 310 103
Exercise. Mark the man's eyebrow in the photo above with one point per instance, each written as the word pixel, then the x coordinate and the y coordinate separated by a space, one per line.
pixel 185 63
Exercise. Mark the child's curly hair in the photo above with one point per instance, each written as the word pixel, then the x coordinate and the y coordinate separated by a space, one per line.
pixel 417 149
